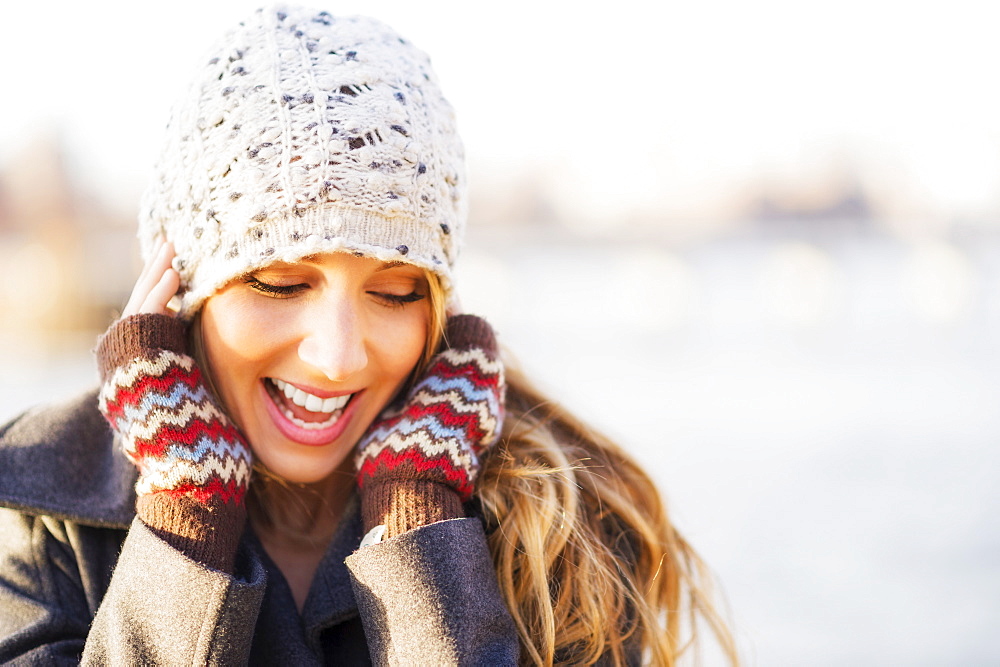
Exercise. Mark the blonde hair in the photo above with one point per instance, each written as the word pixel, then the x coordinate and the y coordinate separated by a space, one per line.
pixel 586 556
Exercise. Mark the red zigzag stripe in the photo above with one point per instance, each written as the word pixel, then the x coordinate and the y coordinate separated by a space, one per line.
pixel 470 371
pixel 445 413
pixel 230 492
pixel 390 460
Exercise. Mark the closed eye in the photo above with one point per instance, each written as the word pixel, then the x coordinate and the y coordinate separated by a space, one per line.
pixel 275 291
pixel 398 299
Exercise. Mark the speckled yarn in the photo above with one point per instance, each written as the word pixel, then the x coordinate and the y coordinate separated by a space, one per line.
pixel 307 133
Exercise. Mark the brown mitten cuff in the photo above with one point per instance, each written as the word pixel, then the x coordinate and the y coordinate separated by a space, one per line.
pixel 467 331
pixel 405 504
pixel 138 336
pixel 207 533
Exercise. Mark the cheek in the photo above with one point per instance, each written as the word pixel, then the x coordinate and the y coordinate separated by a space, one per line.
pixel 401 341
pixel 235 336
pixel 235 329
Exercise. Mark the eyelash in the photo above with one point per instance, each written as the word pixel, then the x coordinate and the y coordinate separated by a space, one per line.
pixel 274 291
pixel 286 291
pixel 398 300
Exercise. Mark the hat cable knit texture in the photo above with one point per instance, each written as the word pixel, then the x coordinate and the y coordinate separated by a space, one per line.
pixel 307 133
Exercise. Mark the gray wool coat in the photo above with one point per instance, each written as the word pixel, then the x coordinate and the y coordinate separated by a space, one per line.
pixel 83 580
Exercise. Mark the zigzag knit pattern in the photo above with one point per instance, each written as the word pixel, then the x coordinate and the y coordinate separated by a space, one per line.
pixel 173 431
pixel 449 419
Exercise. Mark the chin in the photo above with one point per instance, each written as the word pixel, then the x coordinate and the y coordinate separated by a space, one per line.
pixel 304 468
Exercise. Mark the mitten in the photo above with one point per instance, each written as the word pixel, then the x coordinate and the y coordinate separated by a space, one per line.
pixel 419 462
pixel 194 465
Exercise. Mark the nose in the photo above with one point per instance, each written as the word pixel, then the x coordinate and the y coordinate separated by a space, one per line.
pixel 334 341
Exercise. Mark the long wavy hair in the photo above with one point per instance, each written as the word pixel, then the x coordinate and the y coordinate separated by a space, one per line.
pixel 586 557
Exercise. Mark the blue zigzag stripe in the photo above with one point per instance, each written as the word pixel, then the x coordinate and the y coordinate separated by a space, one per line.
pixel 155 401
pixel 204 445
pixel 429 423
pixel 464 386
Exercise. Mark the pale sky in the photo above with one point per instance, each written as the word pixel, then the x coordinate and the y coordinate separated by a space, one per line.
pixel 631 106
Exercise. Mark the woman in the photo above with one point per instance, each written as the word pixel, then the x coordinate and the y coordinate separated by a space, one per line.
pixel 325 461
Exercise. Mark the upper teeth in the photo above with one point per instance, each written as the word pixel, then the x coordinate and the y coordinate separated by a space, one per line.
pixel 311 402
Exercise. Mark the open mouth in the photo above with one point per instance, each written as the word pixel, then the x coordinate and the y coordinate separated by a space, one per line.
pixel 305 410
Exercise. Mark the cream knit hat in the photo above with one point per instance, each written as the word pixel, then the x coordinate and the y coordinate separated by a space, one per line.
pixel 306 133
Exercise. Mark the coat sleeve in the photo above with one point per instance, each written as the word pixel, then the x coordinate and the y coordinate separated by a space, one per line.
pixel 158 608
pixel 164 608
pixel 44 610
pixel 430 597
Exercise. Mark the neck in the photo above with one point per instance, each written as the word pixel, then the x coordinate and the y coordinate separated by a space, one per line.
pixel 295 523
pixel 304 515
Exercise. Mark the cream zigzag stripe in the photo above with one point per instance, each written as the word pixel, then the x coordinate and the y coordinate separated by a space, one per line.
pixel 167 475
pixel 182 417
pixel 239 472
pixel 127 375
pixel 487 365
pixel 199 472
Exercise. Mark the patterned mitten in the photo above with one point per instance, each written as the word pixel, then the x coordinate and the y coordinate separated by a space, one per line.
pixel 194 465
pixel 418 463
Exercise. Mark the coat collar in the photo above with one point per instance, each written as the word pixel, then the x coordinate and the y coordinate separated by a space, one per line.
pixel 62 461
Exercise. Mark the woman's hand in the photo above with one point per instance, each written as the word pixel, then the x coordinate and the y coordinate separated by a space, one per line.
pixel 157 284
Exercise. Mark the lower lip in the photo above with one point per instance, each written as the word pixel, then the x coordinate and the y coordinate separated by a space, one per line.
pixel 309 437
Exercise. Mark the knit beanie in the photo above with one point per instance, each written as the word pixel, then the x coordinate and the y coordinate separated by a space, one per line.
pixel 307 133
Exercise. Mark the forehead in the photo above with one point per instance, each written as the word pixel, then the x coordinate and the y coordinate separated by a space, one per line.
pixel 330 260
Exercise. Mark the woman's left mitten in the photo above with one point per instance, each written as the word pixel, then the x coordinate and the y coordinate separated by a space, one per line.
pixel 418 463
pixel 194 465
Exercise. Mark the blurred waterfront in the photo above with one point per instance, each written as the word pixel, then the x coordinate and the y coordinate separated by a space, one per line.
pixel 818 403
pixel 822 416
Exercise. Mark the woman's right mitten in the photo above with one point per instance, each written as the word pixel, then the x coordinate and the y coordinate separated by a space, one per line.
pixel 194 465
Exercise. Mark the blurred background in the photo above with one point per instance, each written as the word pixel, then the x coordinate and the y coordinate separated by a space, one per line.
pixel 759 243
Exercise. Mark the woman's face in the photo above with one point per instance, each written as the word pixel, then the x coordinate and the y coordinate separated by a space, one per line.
pixel 307 355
